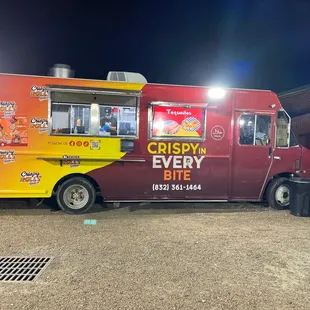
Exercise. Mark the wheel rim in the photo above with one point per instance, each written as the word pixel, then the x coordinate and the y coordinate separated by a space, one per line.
pixel 282 195
pixel 76 197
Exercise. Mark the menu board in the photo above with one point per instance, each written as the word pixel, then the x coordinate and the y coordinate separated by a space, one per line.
pixel 13 131
pixel 177 122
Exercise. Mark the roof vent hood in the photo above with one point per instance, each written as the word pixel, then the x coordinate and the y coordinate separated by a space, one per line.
pixel 61 71
pixel 129 77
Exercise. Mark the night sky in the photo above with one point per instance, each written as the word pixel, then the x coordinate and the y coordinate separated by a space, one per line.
pixel 253 44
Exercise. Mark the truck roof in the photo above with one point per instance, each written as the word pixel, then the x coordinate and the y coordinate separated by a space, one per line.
pixel 120 82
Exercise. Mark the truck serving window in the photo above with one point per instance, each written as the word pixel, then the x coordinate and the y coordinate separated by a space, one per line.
pixel 70 118
pixel 118 120
pixel 255 129
pixel 94 114
pixel 168 121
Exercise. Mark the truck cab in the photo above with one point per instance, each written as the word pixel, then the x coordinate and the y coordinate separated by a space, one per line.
pixel 266 151
pixel 290 158
pixel 293 123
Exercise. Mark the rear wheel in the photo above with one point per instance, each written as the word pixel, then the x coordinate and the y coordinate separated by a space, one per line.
pixel 76 196
pixel 278 194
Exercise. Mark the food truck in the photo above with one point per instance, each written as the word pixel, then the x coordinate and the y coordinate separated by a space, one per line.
pixel 129 141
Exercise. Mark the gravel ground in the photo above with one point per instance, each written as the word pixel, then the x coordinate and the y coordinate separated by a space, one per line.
pixel 245 258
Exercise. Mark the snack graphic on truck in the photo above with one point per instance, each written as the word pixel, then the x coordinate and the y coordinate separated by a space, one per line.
pixel 161 143
pixel 13 130
pixel 13 121
pixel 2 132
pixel 171 127
pixel 177 121
pixel 191 124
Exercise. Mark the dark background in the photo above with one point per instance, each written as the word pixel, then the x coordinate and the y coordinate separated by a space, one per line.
pixel 253 44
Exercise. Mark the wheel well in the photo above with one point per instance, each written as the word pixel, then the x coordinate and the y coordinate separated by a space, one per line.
pixel 74 175
pixel 280 175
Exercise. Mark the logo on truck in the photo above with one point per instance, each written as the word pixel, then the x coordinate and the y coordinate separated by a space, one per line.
pixel 40 124
pixel 177 161
pixel 7 156
pixel 72 161
pixel 40 92
pixel 32 178
pixel 8 108
pixel 217 133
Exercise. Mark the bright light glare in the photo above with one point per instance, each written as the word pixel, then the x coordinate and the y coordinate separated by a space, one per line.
pixel 159 125
pixel 241 122
pixel 216 93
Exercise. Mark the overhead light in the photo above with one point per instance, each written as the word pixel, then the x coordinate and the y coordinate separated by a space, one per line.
pixel 216 93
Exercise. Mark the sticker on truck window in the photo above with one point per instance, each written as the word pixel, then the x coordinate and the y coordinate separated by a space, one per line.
pixel 177 122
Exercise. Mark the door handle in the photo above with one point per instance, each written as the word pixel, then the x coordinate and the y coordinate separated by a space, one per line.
pixel 277 157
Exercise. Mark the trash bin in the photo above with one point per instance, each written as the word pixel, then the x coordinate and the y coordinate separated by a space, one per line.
pixel 300 196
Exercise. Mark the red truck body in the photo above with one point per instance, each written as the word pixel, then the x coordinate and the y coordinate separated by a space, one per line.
pixel 230 171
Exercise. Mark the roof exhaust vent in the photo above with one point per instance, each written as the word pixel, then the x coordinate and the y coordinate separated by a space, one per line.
pixel 61 71
pixel 129 77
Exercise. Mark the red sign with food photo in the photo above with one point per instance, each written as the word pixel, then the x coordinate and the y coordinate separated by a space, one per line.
pixel 175 121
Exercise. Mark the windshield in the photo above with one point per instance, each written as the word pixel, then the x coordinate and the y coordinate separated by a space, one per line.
pixel 293 140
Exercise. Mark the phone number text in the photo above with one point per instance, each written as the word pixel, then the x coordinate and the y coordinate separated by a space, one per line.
pixel 176 187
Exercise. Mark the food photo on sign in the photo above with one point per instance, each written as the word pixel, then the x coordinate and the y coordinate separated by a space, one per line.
pixel 178 122
pixel 13 131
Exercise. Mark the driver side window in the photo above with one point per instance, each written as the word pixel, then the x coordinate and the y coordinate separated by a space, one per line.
pixel 255 129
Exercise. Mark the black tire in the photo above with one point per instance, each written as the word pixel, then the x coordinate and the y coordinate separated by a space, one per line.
pixel 273 192
pixel 72 186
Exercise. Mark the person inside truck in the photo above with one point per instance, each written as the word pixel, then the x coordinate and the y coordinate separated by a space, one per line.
pixel 108 122
pixel 261 139
pixel 246 133
pixel 263 131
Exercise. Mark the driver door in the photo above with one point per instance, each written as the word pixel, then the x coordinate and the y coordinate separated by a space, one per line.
pixel 251 154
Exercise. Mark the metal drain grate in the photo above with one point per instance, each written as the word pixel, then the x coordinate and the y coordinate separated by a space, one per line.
pixel 22 269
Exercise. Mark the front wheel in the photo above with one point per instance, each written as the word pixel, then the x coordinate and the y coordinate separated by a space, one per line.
pixel 278 194
pixel 76 196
